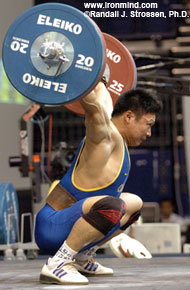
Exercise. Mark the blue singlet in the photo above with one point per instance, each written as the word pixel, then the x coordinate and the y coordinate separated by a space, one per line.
pixel 114 188
pixel 53 227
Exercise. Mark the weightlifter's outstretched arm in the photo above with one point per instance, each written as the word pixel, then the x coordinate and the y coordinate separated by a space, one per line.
pixel 98 107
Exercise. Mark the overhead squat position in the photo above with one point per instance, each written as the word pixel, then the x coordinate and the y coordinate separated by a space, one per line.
pixel 88 206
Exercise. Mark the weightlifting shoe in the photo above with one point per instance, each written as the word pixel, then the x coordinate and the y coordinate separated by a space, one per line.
pixel 90 266
pixel 61 272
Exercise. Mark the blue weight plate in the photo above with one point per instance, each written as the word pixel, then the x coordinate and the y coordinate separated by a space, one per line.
pixel 8 206
pixel 53 54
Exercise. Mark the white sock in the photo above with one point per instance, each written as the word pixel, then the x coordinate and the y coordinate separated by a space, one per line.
pixel 64 253
pixel 85 255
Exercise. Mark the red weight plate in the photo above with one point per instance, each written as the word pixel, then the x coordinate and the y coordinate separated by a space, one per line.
pixel 120 71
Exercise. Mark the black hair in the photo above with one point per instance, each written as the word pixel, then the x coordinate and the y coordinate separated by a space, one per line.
pixel 139 101
pixel 167 199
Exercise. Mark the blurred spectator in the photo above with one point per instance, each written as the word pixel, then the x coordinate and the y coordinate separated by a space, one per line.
pixel 167 214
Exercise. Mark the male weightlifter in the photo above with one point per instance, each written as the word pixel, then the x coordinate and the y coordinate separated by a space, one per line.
pixel 88 206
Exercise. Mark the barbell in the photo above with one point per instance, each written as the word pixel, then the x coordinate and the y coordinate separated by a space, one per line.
pixel 54 54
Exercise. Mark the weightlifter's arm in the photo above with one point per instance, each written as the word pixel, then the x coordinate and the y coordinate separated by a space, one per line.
pixel 98 108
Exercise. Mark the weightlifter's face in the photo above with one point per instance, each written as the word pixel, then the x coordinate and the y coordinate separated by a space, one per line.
pixel 139 129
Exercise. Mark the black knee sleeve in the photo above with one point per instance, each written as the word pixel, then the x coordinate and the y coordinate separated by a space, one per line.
pixel 131 220
pixel 106 213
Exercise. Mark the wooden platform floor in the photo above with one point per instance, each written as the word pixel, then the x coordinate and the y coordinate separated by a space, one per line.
pixel 167 273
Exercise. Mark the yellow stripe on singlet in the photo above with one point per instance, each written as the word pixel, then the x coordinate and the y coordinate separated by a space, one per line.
pixel 101 187
pixel 128 154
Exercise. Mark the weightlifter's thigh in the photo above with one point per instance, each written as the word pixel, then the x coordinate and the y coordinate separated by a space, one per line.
pixel 89 202
pixel 133 204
